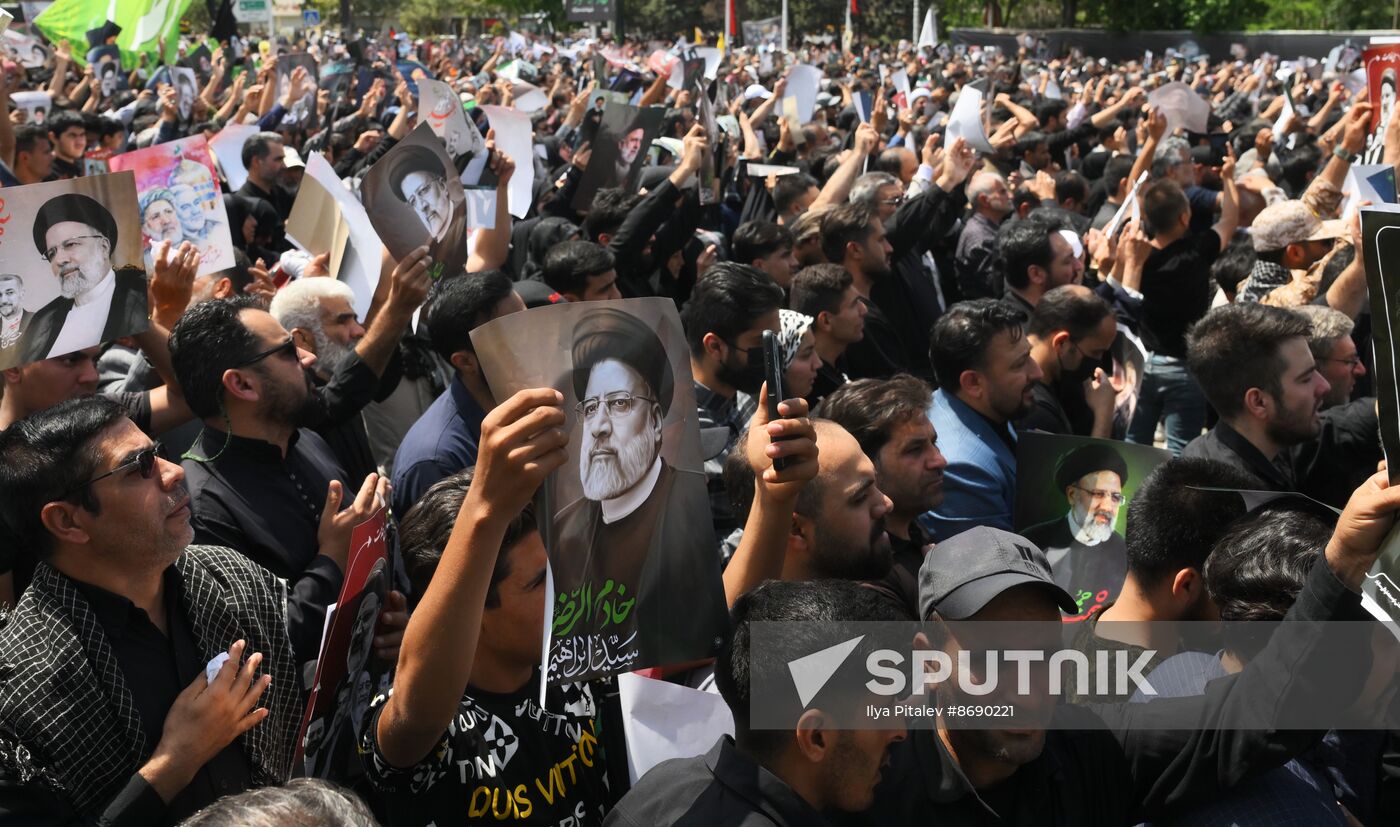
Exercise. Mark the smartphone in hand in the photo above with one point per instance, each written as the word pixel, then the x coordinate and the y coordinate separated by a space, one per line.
pixel 773 375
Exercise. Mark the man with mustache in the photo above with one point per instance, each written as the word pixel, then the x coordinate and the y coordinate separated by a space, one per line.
pixel 639 517
pixel 1087 557
pixel 13 319
pixel 77 237
pixel 418 179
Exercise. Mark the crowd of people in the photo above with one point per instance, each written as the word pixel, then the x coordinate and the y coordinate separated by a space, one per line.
pixel 177 505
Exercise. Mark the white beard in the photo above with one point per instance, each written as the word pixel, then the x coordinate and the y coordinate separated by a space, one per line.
pixel 1092 532
pixel 607 477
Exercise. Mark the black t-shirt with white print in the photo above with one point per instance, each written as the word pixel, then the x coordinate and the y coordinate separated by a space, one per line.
pixel 503 760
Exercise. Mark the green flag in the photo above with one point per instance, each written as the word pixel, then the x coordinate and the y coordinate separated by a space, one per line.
pixel 146 24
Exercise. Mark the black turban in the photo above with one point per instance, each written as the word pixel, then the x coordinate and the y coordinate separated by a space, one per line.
pixel 609 333
pixel 1087 460
pixel 73 207
pixel 412 158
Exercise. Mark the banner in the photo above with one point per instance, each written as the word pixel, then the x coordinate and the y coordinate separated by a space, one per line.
pixel 147 26
pixel 177 186
pixel 765 32
pixel 625 521
pixel 1382 64
pixel 589 11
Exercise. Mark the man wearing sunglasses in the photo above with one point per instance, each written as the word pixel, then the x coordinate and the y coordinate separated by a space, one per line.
pixel 1087 557
pixel 259 483
pixel 120 697
pixel 78 237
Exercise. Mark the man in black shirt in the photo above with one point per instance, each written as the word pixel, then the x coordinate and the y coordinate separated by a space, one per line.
pixel 69 136
pixel 108 712
pixel 258 483
pixel 263 158
pixel 1037 259
pixel 975 263
pixel 1070 331
pixel 462 734
pixel 889 419
pixel 854 237
pixel 765 776
pixel 1255 367
pixel 826 293
pixel 1177 291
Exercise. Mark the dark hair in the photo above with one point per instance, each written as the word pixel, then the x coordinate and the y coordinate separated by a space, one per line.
pixel 891 160
pixel 1163 204
pixel 1047 108
pixel 870 409
pixel 64 120
pixel 569 264
pixel 726 301
pixel 428 524
pixel 843 225
pixel 819 288
pixel 1172 523
pixel 758 239
pixel 1069 185
pixel 1257 569
pixel 790 188
pixel 961 336
pixel 44 458
pixel 458 304
pixel 1065 308
pixel 738 479
pixel 809 608
pixel 259 146
pixel 1236 347
pixel 208 340
pixel 1029 141
pixel 609 209
pixel 28 135
pixel 1023 244
pixel 1117 168
pixel 1234 264
pixel 1295 166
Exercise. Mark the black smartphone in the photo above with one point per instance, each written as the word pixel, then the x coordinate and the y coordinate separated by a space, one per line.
pixel 773 375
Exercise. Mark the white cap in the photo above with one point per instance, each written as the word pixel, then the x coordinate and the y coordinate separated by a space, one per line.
pixel 756 90
pixel 292 158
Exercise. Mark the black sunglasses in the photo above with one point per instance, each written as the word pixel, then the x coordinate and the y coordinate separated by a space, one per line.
pixel 145 462
pixel 288 347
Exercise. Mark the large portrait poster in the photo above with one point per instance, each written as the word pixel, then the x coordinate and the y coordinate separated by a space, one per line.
pixel 626 521
pixel 303 110
pixel 177 184
pixel 346 677
pixel 413 197
pixel 1380 251
pixel 1071 500
pixel 619 150
pixel 327 218
pixel 71 269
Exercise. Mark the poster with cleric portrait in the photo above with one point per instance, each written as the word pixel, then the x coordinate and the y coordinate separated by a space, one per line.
pixel 71 269
pixel 177 186
pixel 1072 494
pixel 413 198
pixel 443 111
pixel 626 520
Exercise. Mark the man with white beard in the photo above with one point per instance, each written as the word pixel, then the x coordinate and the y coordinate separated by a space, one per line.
pixel 634 522
pixel 1087 557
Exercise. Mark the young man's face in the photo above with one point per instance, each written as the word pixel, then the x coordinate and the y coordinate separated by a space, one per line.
pixel 910 467
pixel 516 625
pixel 779 265
pixel 848 323
pixel 1302 392
pixel 72 142
pixel 1009 375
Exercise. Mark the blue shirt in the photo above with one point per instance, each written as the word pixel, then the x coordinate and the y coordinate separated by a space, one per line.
pixel 979 484
pixel 441 443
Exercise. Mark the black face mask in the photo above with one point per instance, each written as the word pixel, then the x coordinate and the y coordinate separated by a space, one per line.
pixel 747 378
pixel 1081 374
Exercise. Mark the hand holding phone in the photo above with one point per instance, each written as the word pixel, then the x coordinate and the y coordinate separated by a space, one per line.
pixel 773 376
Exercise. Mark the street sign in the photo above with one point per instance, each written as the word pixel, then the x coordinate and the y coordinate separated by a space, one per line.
pixel 252 11
pixel 310 18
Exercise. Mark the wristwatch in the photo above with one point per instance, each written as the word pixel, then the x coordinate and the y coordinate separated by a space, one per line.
pixel 1345 154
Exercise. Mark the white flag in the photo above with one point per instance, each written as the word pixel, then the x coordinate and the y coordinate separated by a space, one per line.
pixel 929 35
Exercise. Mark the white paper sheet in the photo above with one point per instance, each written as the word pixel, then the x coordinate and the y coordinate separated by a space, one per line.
pixel 965 121
pixel 803 83
pixel 359 268
pixel 228 148
pixel 514 136
pixel 663 720
pixel 1182 107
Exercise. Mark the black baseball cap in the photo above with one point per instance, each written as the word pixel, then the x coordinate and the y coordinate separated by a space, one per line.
pixel 961 575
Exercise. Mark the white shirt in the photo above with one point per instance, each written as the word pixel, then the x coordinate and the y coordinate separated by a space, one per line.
pixel 86 319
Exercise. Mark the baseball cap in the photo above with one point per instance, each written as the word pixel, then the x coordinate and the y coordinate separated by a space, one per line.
pixel 537 294
pixel 1291 222
pixel 962 574
pixel 757 90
